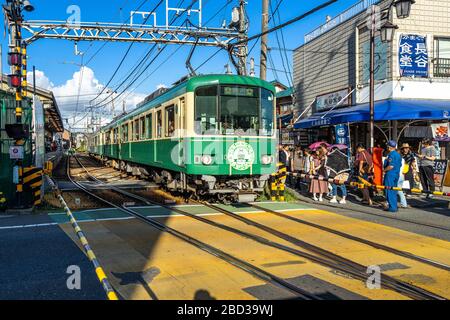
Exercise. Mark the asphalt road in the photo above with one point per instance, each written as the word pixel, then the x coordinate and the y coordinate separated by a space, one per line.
pixel 34 262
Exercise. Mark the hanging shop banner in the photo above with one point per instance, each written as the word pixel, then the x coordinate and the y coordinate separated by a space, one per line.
pixel 287 136
pixel 440 131
pixel 413 56
pixel 342 134
pixel 330 100
pixel 440 170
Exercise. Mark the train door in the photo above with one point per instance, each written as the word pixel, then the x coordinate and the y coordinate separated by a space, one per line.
pixel 159 143
pixel 181 117
pixel 116 143
pixel 119 141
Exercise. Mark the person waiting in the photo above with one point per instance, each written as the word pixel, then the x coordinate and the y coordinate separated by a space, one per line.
pixel 426 167
pixel 391 169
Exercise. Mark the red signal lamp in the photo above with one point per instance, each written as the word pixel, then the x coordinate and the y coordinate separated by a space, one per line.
pixel 14 59
pixel 14 80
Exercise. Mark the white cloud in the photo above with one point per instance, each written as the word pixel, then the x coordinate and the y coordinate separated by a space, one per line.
pixel 41 80
pixel 87 86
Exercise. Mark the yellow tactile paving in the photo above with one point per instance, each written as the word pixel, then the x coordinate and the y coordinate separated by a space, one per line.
pixel 419 274
pixel 179 270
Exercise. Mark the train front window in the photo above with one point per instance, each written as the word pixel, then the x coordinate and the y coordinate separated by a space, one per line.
pixel 239 110
pixel 205 116
pixel 234 110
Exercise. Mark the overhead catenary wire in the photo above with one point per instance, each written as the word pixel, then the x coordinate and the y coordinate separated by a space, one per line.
pixel 134 80
pixel 173 53
pixel 126 53
pixel 170 56
pixel 99 105
pixel 139 65
pixel 280 26
pixel 285 24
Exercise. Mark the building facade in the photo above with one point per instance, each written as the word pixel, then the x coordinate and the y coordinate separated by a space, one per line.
pixel 412 72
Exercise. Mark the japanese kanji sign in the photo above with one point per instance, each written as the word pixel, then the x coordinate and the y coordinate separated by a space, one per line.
pixel 413 56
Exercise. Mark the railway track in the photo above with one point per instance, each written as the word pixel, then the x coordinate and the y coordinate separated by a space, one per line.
pixel 318 255
pixel 415 222
pixel 361 240
pixel 241 264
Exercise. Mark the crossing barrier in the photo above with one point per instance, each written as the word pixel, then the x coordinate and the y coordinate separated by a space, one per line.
pixel 32 181
pixel 110 293
pixel 278 182
pixel 2 200
pixel 48 168
pixel 365 184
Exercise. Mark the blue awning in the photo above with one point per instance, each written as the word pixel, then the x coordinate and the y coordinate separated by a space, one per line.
pixel 285 119
pixel 384 110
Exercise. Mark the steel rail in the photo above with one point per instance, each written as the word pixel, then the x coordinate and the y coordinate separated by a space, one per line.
pixel 383 216
pixel 342 264
pixel 405 254
pixel 349 265
pixel 241 264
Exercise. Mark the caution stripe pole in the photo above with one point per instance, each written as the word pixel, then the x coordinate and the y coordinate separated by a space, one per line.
pixel 281 180
pixel 365 184
pixel 110 293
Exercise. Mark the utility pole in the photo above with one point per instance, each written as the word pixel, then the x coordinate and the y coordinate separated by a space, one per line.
pixel 264 28
pixel 243 47
pixel 372 77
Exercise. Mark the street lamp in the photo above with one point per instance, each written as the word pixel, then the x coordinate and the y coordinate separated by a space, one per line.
pixel 387 31
pixel 403 9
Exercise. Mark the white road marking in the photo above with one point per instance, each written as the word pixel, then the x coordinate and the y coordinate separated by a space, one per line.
pixel 29 226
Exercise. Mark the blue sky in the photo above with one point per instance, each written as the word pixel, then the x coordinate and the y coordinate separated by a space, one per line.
pixel 58 65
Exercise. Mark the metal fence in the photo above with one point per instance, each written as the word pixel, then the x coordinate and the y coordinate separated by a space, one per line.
pixel 442 67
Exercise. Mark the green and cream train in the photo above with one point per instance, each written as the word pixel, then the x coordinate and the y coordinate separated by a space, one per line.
pixel 211 136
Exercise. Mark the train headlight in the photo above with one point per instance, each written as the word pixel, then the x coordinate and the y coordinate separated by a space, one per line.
pixel 206 160
pixel 266 159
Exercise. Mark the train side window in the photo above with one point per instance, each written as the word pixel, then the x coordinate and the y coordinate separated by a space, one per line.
pixel 136 130
pixel 124 132
pixel 170 121
pixel 148 125
pixel 159 124
pixel 130 130
pixel 143 135
pixel 108 137
pixel 116 135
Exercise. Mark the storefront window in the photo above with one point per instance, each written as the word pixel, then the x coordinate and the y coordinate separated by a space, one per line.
pixel 442 57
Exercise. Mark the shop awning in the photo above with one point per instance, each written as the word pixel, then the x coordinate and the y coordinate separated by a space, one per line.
pixel 285 119
pixel 384 110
